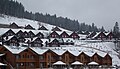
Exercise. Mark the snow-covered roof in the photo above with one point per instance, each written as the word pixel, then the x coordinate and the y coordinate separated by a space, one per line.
pixel 59 51
pixel 68 40
pixel 9 37
pixel 59 63
pixel 93 63
pixel 96 35
pixel 90 54
pixel 3 30
pixel 77 63
pixel 2 55
pixel 1 64
pixel 75 52
pixel 39 50
pixel 15 49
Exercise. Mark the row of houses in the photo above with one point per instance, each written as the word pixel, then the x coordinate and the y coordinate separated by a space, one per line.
pixel 15 26
pixel 100 36
pixel 35 57
pixel 37 39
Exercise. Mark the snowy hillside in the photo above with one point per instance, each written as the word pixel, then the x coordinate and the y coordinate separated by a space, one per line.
pixel 80 45
pixel 4 19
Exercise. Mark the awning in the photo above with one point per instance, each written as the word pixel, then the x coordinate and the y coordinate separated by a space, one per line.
pixel 93 63
pixel 77 63
pixel 59 63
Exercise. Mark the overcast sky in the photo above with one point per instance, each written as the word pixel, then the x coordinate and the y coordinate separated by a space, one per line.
pixel 101 12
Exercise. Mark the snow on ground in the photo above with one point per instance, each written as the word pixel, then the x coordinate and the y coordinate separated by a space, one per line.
pixel 87 46
pixel 22 22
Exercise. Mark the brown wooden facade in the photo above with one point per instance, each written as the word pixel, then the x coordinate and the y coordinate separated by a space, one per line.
pixel 28 59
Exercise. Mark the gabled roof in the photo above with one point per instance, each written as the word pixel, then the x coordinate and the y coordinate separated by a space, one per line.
pixel 39 50
pixel 42 28
pixel 13 25
pixel 77 63
pixel 15 49
pixel 56 29
pixel 64 33
pixel 93 63
pixel 29 27
pixel 98 34
pixel 59 63
pixel 59 51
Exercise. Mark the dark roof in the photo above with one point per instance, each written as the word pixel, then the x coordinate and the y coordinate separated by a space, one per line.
pixel 29 27
pixel 56 29
pixel 42 28
pixel 13 25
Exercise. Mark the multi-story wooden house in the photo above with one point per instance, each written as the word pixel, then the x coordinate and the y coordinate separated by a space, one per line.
pixel 109 35
pixel 20 33
pixel 97 58
pixel 92 34
pixel 35 57
pixel 74 35
pixel 31 34
pixel 14 26
pixel 54 35
pixel 99 36
pixel 40 35
pixel 64 35
pixel 107 60
pixel 8 33
pixel 11 41
pixel 83 58
pixel 26 35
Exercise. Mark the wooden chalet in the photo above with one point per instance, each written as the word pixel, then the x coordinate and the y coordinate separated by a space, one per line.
pixel 54 35
pixel 60 41
pixel 14 26
pixel 56 29
pixel 31 34
pixel 54 43
pixel 74 35
pixel 29 27
pixel 26 35
pixel 34 57
pixel 83 58
pixel 40 35
pixel 92 34
pixel 42 28
pixel 109 35
pixel 37 42
pixel 8 33
pixel 68 58
pixel 100 36
pixel 97 58
pixel 107 60
pixel 12 41
pixel 20 33
pixel 64 35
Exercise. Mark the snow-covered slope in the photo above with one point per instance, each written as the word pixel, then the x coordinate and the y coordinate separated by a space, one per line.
pixel 80 45
pixel 4 19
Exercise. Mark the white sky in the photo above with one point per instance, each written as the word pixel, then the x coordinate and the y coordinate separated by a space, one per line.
pixel 101 12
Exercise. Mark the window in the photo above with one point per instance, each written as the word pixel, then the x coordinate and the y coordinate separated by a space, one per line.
pixel 17 65
pixel 82 58
pixel 32 57
pixel 31 64
pixel 41 57
pixel 23 56
pixel 17 56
